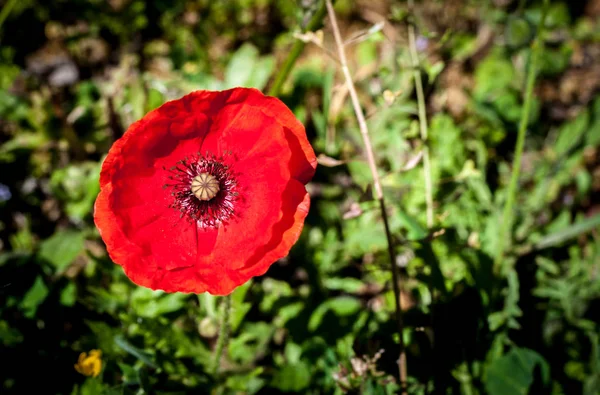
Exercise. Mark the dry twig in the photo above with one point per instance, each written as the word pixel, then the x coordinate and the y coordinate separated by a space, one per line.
pixel 377 184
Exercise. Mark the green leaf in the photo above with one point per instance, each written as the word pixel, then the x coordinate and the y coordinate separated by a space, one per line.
pixel 341 306
pixel 91 386
pixel 292 352
pixel 155 99
pixel 248 384
pixel 261 73
pixel 251 343
pixel 292 377
pixel 34 297
pixel 62 248
pixel 436 277
pixel 571 133
pixel 239 308
pixel 434 70
pixel 151 304
pixel 569 232
pixel 360 172
pixel 513 373
pixel 77 185
pixel 350 285
pixel 208 303
pixel 558 15
pixel 518 31
pixel 129 374
pixel 555 61
pixel 144 380
pixel 414 229
pixel 492 76
pixel 288 312
pixel 136 352
pixel 104 336
pixel 592 137
pixel 68 295
pixel 240 66
pixel 9 336
pixel 246 68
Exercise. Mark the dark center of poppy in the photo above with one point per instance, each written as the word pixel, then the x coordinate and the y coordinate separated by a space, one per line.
pixel 204 189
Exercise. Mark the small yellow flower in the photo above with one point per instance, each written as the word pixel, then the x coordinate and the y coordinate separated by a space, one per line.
pixel 89 365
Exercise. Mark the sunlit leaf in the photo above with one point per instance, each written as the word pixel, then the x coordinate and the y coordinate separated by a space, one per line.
pixel 62 248
pixel 514 372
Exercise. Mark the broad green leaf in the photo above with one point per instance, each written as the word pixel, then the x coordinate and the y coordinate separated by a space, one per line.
pixel 434 70
pixel 292 377
pixel 151 304
pixel 513 373
pixel 91 386
pixel 78 186
pixel 34 297
pixel 518 31
pixel 288 312
pixel 350 285
pixel 360 172
pixel 292 352
pixel 62 248
pixel 555 61
pixel 250 383
pixel 246 68
pixel 341 306
pixel 251 343
pixel 571 133
pixel 414 229
pixel 558 15
pixel 9 336
pixel 261 72
pixel 129 373
pixel 68 295
pixel 492 76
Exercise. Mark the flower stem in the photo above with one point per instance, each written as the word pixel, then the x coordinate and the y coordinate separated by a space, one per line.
pixel 424 130
pixel 507 215
pixel 414 55
pixel 295 52
pixel 223 338
pixel 364 131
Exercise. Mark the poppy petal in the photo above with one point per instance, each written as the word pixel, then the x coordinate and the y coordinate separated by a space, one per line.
pixel 257 214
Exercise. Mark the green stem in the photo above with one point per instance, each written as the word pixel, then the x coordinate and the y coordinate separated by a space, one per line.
pixel 578 228
pixel 295 52
pixel 223 338
pixel 507 215
pixel 414 55
pixel 424 131
pixel 6 10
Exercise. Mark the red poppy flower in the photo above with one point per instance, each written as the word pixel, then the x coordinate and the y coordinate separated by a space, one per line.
pixel 206 191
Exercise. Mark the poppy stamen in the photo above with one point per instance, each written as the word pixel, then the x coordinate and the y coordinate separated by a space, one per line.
pixel 205 186
pixel 204 189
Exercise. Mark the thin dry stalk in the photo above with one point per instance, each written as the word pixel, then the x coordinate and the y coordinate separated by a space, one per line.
pixel 364 131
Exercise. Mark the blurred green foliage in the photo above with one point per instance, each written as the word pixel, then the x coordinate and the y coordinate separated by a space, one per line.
pixel 74 74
